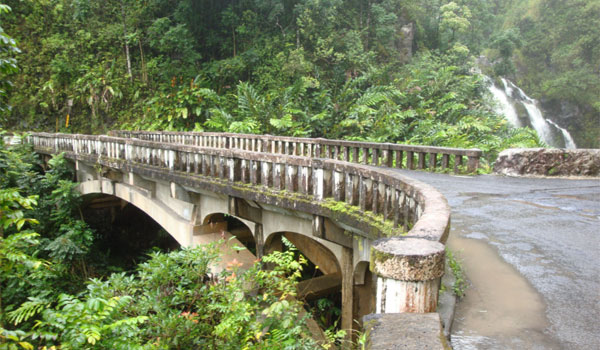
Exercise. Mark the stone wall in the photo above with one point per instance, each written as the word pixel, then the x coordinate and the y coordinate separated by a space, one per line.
pixel 548 162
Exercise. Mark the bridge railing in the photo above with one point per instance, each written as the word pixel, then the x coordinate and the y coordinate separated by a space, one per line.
pixel 381 154
pixel 406 220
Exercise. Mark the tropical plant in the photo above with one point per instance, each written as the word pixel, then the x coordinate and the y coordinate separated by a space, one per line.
pixel 8 64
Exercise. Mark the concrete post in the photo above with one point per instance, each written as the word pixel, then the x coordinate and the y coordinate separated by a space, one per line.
pixel 266 175
pixel 347 295
pixel 305 180
pixel 279 176
pixel 410 157
pixel 472 164
pixel 234 169
pixel 375 156
pixel 320 180
pixel 421 160
pixel 387 158
pixel 365 194
pixel 445 160
pixel 458 161
pixel 318 183
pixel 408 274
pixel 432 161
pixel 351 189
pixel 338 186
pixel 259 239
pixel 244 170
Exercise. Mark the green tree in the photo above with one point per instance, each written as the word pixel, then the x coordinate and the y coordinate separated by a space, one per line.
pixel 454 21
pixel 506 42
pixel 8 64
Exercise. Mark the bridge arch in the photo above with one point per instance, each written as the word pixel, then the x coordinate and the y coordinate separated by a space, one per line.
pixel 242 230
pixel 314 250
pixel 178 227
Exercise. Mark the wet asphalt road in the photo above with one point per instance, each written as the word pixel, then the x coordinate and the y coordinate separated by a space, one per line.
pixel 549 230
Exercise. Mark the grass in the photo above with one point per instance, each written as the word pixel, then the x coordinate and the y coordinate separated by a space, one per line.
pixel 460 281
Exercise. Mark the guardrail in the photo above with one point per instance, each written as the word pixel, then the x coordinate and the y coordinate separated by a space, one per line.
pixel 406 220
pixel 381 154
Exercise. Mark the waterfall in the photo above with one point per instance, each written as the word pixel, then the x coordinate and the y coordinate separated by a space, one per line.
pixel 504 106
pixel 521 110
pixel 569 142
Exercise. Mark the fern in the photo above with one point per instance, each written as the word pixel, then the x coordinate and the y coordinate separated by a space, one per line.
pixel 27 310
pixel 219 120
pixel 250 103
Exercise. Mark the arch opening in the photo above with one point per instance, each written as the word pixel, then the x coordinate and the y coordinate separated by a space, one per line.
pixel 235 226
pixel 319 286
pixel 125 233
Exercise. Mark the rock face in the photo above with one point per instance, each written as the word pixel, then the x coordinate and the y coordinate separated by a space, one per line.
pixel 548 162
pixel 404 43
pixel 582 121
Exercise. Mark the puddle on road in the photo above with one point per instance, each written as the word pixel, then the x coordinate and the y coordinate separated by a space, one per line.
pixel 500 310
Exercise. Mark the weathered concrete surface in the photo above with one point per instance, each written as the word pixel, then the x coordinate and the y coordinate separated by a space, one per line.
pixel 408 259
pixel 409 271
pixel 548 230
pixel 407 331
pixel 548 162
pixel 163 214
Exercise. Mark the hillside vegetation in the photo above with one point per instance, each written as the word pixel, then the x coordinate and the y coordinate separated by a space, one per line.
pixel 332 68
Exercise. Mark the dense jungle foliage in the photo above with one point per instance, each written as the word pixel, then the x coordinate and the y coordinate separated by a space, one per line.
pixel 329 68
pixel 551 49
pixel 57 292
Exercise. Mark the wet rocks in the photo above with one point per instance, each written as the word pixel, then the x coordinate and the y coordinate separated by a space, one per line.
pixel 548 162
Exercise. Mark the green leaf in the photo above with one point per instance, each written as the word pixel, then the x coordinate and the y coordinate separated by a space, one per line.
pixel 183 112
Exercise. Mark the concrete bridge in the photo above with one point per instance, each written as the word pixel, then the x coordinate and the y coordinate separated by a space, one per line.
pixel 376 235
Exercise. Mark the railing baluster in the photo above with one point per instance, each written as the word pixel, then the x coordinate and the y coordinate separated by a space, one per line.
pixel 421 164
pixel 432 161
pixel 458 159
pixel 445 161
pixel 375 156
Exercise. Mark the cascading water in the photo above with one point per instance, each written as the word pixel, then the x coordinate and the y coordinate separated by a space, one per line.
pixel 521 110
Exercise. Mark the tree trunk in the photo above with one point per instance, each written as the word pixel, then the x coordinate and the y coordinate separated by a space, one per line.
pixel 234 49
pixel 128 62
pixel 125 40
pixel 144 72
pixel 368 25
